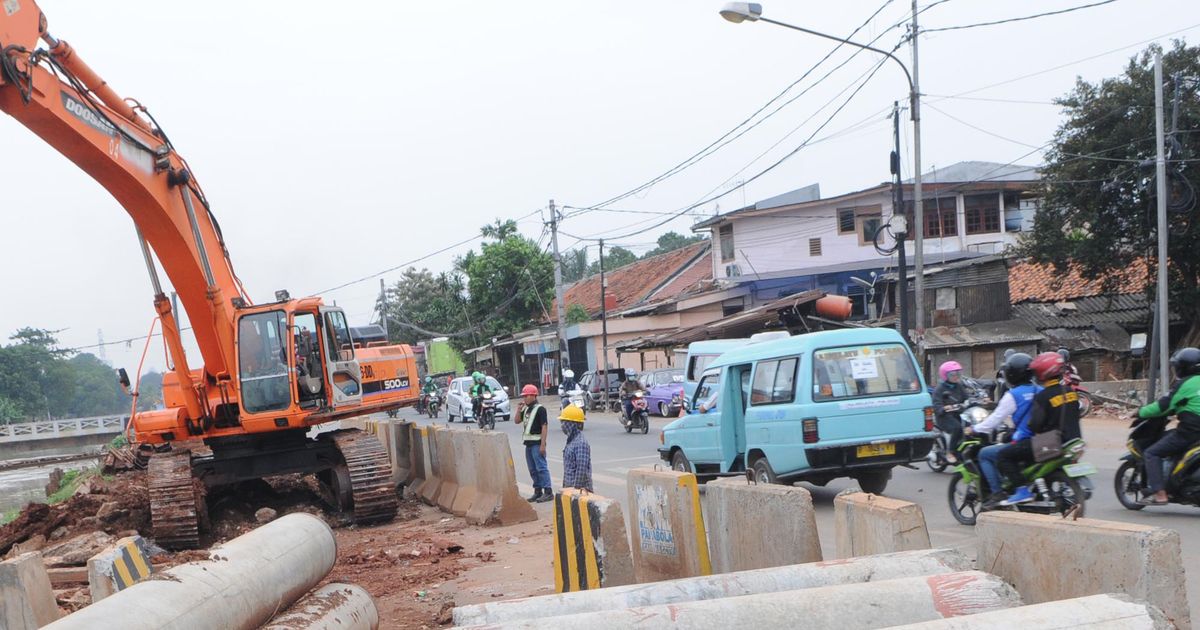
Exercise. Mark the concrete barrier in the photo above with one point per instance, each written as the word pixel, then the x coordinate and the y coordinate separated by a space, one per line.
pixel 433 478
pixel 400 439
pixel 773 580
pixel 331 607
pixel 465 471
pixel 418 460
pixel 590 547
pixel 668 527
pixel 1097 611
pixel 26 596
pixel 118 567
pixel 447 466
pixel 1048 558
pixel 497 500
pixel 753 526
pixel 868 524
pixel 870 605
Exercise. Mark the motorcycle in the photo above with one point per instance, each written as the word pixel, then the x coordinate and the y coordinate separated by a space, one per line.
pixel 575 397
pixel 1181 472
pixel 639 417
pixel 487 412
pixel 433 405
pixel 1060 485
pixel 1071 379
pixel 971 412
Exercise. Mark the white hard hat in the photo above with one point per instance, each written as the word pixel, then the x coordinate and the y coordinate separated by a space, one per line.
pixel 568 374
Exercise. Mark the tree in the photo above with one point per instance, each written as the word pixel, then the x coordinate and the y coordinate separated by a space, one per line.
pixel 613 258
pixel 574 265
pixel 510 283
pixel 150 394
pixel 1098 201
pixel 576 314
pixel 38 380
pixel 672 241
pixel 421 306
pixel 9 411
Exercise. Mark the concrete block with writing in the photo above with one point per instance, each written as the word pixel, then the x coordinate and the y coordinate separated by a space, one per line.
pixel 668 527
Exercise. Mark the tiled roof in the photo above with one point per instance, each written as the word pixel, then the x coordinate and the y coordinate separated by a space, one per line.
pixel 636 282
pixel 1033 282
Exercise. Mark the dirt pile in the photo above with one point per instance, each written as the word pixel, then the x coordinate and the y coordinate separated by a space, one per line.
pixel 114 506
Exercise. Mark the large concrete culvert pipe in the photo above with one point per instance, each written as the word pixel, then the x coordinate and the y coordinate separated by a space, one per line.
pixel 244 583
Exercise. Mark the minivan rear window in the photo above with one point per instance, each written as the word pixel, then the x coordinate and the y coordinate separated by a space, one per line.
pixel 700 363
pixel 871 370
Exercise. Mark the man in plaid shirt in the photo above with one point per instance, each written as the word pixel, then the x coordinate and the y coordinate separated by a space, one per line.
pixel 577 454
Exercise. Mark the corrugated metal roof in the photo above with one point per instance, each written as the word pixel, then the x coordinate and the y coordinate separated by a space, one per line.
pixel 984 334
pixel 1129 310
pixel 980 171
pixel 1110 337
pixel 765 317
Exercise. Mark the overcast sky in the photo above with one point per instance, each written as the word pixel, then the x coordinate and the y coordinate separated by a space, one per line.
pixel 336 140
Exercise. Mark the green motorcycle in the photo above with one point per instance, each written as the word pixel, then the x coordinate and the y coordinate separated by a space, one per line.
pixel 1059 485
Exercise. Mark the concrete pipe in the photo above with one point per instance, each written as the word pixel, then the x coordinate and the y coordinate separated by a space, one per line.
pixel 847 607
pixel 244 582
pixel 331 607
pixel 772 580
pixel 1096 611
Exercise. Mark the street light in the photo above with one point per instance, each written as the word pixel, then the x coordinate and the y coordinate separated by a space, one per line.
pixel 738 12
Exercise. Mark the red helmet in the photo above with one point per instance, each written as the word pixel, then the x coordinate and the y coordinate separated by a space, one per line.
pixel 1048 365
pixel 529 390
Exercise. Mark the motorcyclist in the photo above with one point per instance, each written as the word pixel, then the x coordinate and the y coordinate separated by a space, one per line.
pixel 428 388
pixel 628 388
pixel 1183 401
pixel 1002 386
pixel 950 393
pixel 478 388
pixel 1055 408
pixel 1017 403
pixel 567 386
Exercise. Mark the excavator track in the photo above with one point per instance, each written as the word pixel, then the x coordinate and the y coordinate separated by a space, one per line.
pixel 369 472
pixel 175 506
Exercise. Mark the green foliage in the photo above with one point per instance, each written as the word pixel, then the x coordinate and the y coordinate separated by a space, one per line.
pixel 510 283
pixel 574 265
pixel 38 379
pixel 1099 211
pixel 9 516
pixel 150 394
pixel 576 314
pixel 71 481
pixel 672 241
pixel 422 306
pixel 614 258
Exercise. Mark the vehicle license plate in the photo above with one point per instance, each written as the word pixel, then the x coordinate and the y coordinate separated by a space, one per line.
pixel 876 450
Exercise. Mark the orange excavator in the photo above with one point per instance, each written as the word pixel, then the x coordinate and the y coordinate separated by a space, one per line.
pixel 271 371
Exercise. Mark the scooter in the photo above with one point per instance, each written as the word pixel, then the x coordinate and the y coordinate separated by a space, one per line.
pixel 1181 472
pixel 971 412
pixel 487 412
pixel 1071 379
pixel 1060 485
pixel 639 417
pixel 433 405
pixel 575 397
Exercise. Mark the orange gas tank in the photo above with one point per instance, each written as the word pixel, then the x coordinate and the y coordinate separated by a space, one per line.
pixel 834 307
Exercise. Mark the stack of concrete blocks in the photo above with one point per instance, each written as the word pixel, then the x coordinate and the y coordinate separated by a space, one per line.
pixel 754 526
pixel 1049 558
pixel 668 537
pixel 395 435
pixel 868 524
pixel 26 596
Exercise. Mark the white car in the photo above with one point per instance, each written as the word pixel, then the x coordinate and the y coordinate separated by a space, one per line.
pixel 458 401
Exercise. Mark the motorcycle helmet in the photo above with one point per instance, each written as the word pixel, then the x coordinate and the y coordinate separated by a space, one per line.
pixel 477 377
pixel 1016 369
pixel 1186 362
pixel 1064 353
pixel 1048 365
pixel 568 374
pixel 428 379
pixel 948 367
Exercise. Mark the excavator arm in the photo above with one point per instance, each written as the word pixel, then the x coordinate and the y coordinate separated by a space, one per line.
pixel 58 97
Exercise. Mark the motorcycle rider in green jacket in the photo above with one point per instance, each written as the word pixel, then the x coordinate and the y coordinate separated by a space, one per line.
pixel 1183 401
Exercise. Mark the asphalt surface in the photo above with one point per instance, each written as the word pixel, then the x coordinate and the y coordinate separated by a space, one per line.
pixel 615 452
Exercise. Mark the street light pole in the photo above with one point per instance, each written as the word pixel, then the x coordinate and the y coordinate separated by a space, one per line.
pixel 1160 167
pixel 738 12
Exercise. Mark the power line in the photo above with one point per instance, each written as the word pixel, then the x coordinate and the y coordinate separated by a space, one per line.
pixel 1017 19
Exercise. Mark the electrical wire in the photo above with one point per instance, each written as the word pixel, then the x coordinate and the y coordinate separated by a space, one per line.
pixel 1018 19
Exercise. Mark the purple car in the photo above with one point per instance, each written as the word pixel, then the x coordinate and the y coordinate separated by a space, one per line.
pixel 664 391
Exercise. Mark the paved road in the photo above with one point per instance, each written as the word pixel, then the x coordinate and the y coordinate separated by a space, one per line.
pixel 614 453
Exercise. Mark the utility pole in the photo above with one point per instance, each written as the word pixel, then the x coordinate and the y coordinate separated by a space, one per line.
pixel 604 323
pixel 383 309
pixel 564 352
pixel 898 205
pixel 918 206
pixel 1160 167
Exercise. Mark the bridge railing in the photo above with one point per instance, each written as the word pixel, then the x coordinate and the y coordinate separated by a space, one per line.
pixel 47 429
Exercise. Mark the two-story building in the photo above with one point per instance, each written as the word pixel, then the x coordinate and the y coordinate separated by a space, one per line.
pixel 798 241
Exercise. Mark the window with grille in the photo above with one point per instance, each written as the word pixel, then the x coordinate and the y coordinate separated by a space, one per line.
pixel 726 236
pixel 814 247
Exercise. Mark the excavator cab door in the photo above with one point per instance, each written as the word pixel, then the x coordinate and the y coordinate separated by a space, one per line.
pixel 345 377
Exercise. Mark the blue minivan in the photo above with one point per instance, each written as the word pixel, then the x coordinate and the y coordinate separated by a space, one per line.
pixel 813 407
pixel 700 354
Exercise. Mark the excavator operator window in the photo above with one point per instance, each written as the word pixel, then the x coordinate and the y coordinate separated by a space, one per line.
pixel 341 346
pixel 262 360
pixel 310 380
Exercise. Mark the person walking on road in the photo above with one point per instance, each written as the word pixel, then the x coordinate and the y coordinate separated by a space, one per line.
pixel 532 416
pixel 577 454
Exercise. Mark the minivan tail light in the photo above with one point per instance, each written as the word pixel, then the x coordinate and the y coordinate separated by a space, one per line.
pixel 928 419
pixel 811 433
